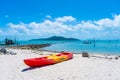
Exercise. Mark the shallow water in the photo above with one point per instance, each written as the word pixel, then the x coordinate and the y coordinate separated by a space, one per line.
pixel 104 47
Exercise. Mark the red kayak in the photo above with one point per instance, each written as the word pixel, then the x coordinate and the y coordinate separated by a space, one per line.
pixel 48 60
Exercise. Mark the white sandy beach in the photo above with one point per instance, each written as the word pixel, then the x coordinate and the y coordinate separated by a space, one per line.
pixel 78 68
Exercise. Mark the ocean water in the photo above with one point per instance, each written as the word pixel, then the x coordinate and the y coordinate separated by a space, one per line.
pixel 100 46
pixel 35 42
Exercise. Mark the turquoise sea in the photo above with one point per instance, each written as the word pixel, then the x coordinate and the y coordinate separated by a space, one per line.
pixel 99 46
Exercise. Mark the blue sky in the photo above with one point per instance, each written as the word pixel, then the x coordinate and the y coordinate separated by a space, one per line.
pixel 83 19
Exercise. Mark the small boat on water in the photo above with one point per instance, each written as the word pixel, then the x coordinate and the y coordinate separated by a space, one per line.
pixel 48 60
pixel 87 42
pixel 8 42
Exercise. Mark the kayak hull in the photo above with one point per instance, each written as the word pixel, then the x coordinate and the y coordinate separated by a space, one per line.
pixel 48 60
pixel 36 62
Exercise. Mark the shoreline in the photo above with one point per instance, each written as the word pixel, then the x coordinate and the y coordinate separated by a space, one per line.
pixel 40 46
pixel 30 46
pixel 37 47
pixel 37 51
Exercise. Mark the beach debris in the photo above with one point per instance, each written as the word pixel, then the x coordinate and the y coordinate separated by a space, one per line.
pixel 108 57
pixel 85 54
pixel 60 78
pixel 116 58
pixel 12 53
pixel 103 56
pixel 3 50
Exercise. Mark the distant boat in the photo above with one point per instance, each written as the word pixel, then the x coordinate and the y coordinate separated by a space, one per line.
pixel 87 42
pixel 8 42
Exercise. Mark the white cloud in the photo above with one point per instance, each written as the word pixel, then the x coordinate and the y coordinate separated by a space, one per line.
pixel 109 22
pixel 117 21
pixel 65 19
pixel 21 28
pixel 103 28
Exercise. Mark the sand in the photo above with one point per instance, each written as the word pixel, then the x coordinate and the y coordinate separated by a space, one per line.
pixel 12 67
